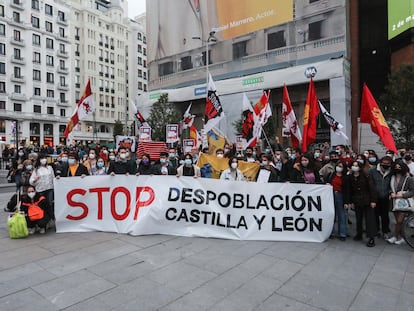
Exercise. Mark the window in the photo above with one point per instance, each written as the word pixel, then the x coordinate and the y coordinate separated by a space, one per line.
pixel 50 110
pixel 2 10
pixel 139 48
pixel 139 36
pixel 2 105
pixel 36 57
pixel 62 97
pixel 17 72
pixel 36 75
pixel 50 78
pixel 165 68
pixel 62 80
pixel 16 35
pixel 35 39
pixel 48 9
pixel 315 31
pixel 49 43
pixel 276 40
pixel 2 68
pixel 35 22
pixel 61 16
pixel 37 109
pixel 17 89
pixel 17 54
pixel 2 30
pixel 62 64
pixel 62 48
pixel 61 32
pixel 49 26
pixel 36 91
pixel 239 49
pixel 16 17
pixel 35 4
pixel 50 93
pixel 17 107
pixel 49 60
pixel 139 61
pixel 2 49
pixel 186 63
pixel 63 113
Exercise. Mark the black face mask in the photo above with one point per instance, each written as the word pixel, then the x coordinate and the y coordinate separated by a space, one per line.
pixel 334 160
pixel 397 170
pixel 386 167
pixel 407 158
pixel 249 155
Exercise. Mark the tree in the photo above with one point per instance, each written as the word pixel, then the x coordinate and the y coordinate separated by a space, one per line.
pixel 397 104
pixel 162 113
pixel 118 129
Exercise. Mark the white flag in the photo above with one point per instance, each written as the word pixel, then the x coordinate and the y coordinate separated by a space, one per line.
pixel 335 125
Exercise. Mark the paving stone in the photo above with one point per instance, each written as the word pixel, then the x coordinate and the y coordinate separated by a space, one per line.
pixel 376 297
pixel 278 302
pixel 26 300
pixel 71 289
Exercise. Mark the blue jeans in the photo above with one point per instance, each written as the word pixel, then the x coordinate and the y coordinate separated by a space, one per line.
pixel 340 214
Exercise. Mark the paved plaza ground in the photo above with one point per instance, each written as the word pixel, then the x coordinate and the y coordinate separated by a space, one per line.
pixel 107 271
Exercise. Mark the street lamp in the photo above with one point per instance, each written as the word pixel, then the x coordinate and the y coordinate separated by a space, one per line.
pixel 211 38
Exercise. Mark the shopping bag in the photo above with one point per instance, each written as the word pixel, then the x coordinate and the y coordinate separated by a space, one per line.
pixel 35 213
pixel 17 226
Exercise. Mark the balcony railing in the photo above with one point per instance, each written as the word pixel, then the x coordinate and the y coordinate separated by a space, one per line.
pixel 16 4
pixel 20 79
pixel 16 41
pixel 19 60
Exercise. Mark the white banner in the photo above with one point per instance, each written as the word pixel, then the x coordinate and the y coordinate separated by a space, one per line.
pixel 194 207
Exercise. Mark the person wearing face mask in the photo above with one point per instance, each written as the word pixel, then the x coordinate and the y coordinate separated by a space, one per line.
pixel 100 168
pixel 104 153
pixel 123 166
pixel 90 162
pixel 400 182
pixel 74 167
pixel 188 168
pixel 111 157
pixel 163 167
pixel 42 178
pixel 229 150
pixel 381 175
pixel 338 182
pixel 305 171
pixel 145 166
pixel 267 172
pixel 219 153
pixel 408 159
pixel 372 158
pixel 173 158
pixel 362 194
pixel 232 173
pixel 25 176
pixel 34 199
pixel 248 157
pixel 328 170
pixel 61 167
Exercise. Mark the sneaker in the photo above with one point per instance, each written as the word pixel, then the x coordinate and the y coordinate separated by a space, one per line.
pixel 400 242
pixel 386 236
pixel 371 242
pixel 392 240
pixel 42 231
pixel 32 230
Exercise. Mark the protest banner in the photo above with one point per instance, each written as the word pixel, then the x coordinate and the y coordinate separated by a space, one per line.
pixel 199 207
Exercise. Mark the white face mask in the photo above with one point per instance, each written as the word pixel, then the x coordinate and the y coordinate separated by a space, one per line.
pixel 355 168
pixel 91 156
pixel 31 194
pixel 111 157
pixel 43 161
pixel 220 155
pixel 123 156
pixel 339 169
pixel 234 165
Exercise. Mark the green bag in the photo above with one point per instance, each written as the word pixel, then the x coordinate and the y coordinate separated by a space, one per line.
pixel 17 226
pixel 17 223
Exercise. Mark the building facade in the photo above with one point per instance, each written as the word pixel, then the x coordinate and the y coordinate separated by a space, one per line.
pixel 35 71
pixel 314 39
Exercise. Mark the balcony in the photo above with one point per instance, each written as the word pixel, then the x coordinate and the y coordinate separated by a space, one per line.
pixel 77 53
pixel 63 21
pixel 63 87
pixel 17 4
pixel 62 70
pixel 18 79
pixel 63 103
pixel 19 60
pixel 62 54
pixel 77 69
pixel 18 96
pixel 100 58
pixel 77 38
pixel 16 41
pixel 77 85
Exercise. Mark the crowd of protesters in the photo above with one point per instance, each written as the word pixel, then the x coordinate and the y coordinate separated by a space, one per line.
pixel 362 182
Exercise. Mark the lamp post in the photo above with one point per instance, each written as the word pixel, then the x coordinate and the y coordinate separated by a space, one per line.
pixel 211 38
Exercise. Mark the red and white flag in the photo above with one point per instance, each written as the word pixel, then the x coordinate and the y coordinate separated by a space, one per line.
pixel 188 119
pixel 84 108
pixel 139 119
pixel 289 119
pixel 214 110
pixel 254 119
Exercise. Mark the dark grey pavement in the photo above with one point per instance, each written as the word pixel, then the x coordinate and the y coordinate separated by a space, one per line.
pixel 107 271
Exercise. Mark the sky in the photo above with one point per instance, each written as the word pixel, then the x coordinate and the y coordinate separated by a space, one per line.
pixel 135 7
